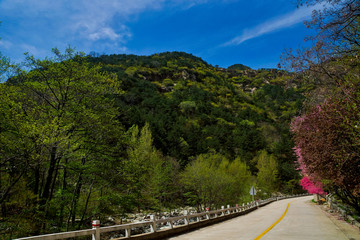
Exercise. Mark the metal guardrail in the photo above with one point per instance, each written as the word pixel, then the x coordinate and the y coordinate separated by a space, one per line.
pixel 96 230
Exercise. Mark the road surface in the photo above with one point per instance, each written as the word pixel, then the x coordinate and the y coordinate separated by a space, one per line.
pixel 302 221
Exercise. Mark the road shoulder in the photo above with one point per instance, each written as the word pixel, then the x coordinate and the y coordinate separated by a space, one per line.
pixel 350 231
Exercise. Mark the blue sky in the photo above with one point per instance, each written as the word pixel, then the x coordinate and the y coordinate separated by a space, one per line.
pixel 222 32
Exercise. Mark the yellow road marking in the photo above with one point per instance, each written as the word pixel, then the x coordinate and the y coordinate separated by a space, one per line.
pixel 261 235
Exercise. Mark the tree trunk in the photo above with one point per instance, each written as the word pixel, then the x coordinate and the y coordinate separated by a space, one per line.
pixel 72 212
pixel 7 191
pixel 62 203
pixel 37 179
pixel 54 181
pixel 46 191
pixel 86 205
pixel 76 198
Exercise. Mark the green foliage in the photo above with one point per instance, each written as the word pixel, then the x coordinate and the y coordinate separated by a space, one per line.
pixel 185 100
pixel 239 67
pixel 150 177
pixel 192 107
pixel 211 180
pixel 267 177
pixel 188 107
pixel 58 125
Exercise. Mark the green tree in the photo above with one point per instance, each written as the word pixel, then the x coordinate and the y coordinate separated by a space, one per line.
pixel 61 114
pixel 212 180
pixel 151 177
pixel 267 177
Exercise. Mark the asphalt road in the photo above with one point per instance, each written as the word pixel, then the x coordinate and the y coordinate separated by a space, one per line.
pixel 303 220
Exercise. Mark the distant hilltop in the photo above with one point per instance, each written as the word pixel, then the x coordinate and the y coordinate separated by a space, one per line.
pixel 239 67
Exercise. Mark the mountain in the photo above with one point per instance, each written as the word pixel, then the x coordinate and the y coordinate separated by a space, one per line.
pixel 193 107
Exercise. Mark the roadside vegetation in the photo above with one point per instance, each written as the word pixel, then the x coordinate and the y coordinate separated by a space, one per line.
pixel 327 132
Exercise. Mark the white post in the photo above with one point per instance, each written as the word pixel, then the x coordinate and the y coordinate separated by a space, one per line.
pixel 128 232
pixel 171 224
pixel 153 224
pixel 186 219
pixel 228 207
pixel 96 225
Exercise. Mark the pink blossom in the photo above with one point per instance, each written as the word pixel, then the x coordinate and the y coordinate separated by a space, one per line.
pixel 295 123
pixel 311 187
pixel 302 167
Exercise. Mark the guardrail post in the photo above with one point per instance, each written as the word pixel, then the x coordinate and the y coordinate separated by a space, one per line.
pixel 186 219
pixel 171 224
pixel 237 208
pixel 222 212
pixel 207 213
pixel 228 207
pixel 329 200
pixel 153 223
pixel 128 232
pixel 96 225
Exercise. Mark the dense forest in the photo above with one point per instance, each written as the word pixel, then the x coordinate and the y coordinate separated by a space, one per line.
pixel 86 137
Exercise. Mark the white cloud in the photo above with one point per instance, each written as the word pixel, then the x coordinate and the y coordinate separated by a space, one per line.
pixel 100 25
pixel 5 44
pixel 89 19
pixel 97 16
pixel 108 33
pixel 282 22
pixel 33 50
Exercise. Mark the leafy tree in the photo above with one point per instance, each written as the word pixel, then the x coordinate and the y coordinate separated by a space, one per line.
pixel 151 178
pixel 211 180
pixel 267 177
pixel 337 27
pixel 327 147
pixel 325 135
pixel 59 116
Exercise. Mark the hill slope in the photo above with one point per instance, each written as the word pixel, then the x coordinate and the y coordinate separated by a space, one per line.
pixel 193 107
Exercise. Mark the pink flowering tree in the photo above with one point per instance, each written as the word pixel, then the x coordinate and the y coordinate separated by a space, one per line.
pixel 327 148
pixel 311 187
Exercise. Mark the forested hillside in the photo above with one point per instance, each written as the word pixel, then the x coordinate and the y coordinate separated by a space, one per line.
pixel 192 107
pixel 86 137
